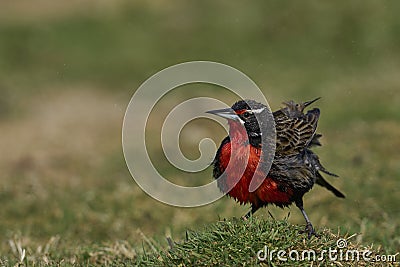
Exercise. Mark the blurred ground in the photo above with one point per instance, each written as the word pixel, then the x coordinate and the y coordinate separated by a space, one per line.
pixel 67 72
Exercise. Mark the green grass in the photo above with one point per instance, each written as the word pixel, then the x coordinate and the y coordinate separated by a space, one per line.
pixel 66 77
pixel 229 242
pixel 237 243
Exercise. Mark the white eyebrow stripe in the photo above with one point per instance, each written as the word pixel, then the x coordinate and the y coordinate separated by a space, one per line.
pixel 258 110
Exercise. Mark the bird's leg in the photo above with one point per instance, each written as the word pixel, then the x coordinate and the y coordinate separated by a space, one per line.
pixel 250 213
pixel 309 228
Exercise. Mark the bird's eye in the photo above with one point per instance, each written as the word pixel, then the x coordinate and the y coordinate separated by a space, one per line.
pixel 246 114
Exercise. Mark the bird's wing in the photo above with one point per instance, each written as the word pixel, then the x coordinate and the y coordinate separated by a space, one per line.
pixel 295 129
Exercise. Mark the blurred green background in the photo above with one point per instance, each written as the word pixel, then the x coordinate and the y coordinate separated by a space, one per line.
pixel 68 70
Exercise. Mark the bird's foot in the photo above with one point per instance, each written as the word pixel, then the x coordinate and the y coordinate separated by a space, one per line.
pixel 245 217
pixel 309 230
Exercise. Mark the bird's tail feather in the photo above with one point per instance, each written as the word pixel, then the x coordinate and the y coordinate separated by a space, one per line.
pixel 307 103
pixel 322 182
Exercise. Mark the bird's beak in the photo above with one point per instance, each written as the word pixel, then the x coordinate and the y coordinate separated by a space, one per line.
pixel 226 113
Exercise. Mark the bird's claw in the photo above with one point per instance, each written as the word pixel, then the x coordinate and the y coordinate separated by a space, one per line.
pixel 309 230
pixel 246 217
